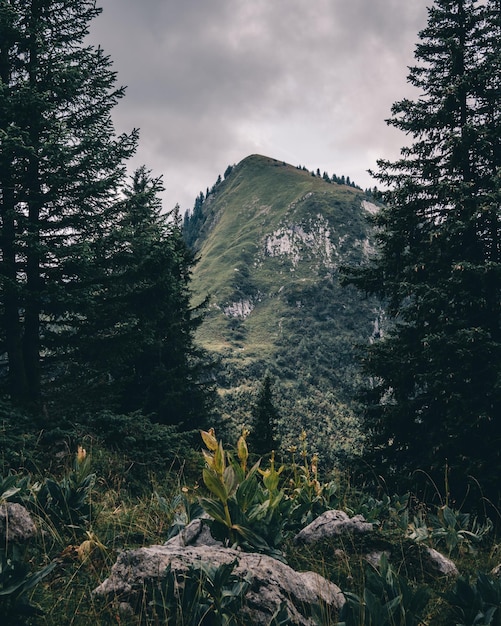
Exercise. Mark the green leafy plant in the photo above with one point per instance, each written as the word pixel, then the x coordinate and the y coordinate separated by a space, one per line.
pixel 68 501
pixel 309 497
pixel 14 488
pixel 178 599
pixel 182 509
pixel 476 604
pixel 16 581
pixel 388 511
pixel 245 511
pixel 16 577
pixel 224 590
pixel 206 595
pixel 387 600
pixel 418 530
pixel 458 531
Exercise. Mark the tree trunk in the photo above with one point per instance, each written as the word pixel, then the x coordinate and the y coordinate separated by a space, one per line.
pixel 18 384
pixel 31 339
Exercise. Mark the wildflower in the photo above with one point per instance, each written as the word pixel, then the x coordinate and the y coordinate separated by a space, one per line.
pixel 242 450
pixel 87 547
pixel 81 455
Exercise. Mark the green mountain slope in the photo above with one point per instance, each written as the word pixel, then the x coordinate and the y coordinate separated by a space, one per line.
pixel 270 244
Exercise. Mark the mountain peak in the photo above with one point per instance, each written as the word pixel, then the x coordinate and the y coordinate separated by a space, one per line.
pixel 272 241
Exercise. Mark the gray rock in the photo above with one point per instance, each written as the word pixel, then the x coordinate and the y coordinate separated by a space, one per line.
pixel 332 524
pixel 16 525
pixel 273 582
pixel 196 533
pixel 439 563
pixel 374 558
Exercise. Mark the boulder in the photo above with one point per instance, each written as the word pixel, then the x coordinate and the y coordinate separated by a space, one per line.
pixel 332 524
pixel 273 582
pixel 438 563
pixel 435 562
pixel 16 525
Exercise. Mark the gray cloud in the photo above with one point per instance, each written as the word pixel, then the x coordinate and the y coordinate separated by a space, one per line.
pixel 212 82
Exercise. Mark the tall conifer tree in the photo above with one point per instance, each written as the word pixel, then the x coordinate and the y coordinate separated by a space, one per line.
pixel 436 394
pixel 263 437
pixel 60 167
pixel 136 343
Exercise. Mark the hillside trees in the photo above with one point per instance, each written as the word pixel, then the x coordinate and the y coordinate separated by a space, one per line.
pixel 137 338
pixel 194 221
pixel 436 394
pixel 60 167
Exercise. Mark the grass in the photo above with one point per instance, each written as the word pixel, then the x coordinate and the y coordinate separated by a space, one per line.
pixel 120 522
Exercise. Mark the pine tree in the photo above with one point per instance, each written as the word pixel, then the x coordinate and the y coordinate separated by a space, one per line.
pixel 436 394
pixel 263 433
pixel 60 167
pixel 137 338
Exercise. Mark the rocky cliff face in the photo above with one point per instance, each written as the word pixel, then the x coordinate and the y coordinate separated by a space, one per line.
pixel 271 244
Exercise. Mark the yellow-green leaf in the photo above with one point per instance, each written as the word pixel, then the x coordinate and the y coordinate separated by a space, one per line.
pixel 214 509
pixel 219 459
pixel 243 451
pixel 209 458
pixel 230 480
pixel 209 439
pixel 213 483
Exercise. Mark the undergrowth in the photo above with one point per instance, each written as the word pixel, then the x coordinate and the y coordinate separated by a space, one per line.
pixel 85 519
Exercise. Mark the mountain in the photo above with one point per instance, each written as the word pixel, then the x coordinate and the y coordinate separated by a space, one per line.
pixel 270 239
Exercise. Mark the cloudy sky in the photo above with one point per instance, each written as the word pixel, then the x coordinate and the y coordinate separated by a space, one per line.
pixel 210 82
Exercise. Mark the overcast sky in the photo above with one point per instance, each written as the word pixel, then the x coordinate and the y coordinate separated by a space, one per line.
pixel 210 82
